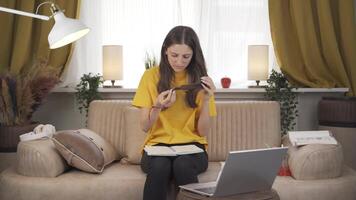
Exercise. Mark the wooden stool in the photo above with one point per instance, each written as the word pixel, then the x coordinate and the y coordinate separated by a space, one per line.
pixel 262 195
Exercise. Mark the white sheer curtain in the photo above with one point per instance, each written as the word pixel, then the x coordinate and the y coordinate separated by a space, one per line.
pixel 86 55
pixel 225 28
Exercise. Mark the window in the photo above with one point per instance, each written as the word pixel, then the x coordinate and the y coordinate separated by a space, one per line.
pixel 225 28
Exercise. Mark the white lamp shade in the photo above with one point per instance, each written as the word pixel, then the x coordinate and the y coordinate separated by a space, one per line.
pixel 257 62
pixel 65 31
pixel 112 62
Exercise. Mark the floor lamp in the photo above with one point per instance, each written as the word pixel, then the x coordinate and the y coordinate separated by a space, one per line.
pixel 64 31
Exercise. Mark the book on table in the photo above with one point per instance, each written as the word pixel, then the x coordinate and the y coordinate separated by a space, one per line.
pixel 172 150
pixel 298 138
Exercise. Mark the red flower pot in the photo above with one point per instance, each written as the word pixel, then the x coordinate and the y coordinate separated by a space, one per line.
pixel 284 171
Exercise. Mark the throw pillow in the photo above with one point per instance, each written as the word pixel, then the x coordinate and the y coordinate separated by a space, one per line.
pixel 84 149
pixel 135 137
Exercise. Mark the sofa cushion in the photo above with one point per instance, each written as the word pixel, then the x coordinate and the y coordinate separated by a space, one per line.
pixel 135 137
pixel 315 161
pixel 342 187
pixel 105 117
pixel 119 182
pixel 39 158
pixel 84 149
pixel 241 125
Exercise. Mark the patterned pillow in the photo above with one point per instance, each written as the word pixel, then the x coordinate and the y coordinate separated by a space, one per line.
pixel 84 149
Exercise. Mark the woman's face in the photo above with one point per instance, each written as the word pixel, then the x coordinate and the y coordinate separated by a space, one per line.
pixel 179 56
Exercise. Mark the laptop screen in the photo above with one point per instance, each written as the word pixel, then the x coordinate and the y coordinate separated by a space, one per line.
pixel 249 170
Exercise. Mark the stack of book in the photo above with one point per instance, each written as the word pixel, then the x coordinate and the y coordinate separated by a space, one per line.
pixel 298 138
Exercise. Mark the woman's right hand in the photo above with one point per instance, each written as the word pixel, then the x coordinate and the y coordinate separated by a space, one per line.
pixel 165 99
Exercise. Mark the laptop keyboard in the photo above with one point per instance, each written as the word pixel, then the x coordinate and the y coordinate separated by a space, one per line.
pixel 208 190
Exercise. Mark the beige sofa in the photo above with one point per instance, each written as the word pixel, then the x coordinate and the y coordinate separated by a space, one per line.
pixel 42 174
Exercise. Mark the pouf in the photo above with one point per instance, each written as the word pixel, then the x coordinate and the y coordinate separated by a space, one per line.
pixel 315 161
pixel 39 158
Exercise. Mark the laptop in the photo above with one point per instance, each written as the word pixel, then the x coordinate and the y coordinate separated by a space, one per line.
pixel 244 171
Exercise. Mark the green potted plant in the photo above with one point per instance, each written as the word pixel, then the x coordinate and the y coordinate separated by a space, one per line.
pixel 20 96
pixel 279 89
pixel 150 60
pixel 87 91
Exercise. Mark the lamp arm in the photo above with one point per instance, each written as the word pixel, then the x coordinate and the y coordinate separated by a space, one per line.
pixel 18 12
pixel 41 4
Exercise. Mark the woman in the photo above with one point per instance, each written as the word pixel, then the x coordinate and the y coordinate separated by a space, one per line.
pixel 172 116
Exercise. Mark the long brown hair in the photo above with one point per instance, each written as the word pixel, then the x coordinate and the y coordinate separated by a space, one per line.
pixel 196 68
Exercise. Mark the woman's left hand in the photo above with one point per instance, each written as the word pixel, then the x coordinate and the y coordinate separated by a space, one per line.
pixel 208 85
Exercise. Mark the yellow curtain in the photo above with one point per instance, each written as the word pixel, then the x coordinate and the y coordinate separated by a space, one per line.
pixel 24 40
pixel 315 41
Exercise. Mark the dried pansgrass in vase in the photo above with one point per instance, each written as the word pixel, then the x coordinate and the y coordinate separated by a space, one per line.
pixel 21 94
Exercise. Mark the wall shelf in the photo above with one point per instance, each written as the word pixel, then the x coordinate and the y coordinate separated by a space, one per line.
pixel 219 90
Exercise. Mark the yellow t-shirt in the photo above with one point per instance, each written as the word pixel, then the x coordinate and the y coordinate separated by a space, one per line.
pixel 178 123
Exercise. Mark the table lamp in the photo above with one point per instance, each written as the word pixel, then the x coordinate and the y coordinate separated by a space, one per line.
pixel 112 64
pixel 64 31
pixel 257 63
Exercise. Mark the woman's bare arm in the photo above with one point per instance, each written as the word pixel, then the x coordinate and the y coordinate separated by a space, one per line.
pixel 150 115
pixel 204 119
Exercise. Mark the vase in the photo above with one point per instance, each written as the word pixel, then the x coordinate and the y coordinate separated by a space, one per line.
pixel 10 136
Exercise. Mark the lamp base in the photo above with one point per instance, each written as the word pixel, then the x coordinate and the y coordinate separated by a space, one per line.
pixel 257 85
pixel 112 86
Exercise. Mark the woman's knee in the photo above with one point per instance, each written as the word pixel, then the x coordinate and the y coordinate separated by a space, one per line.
pixel 184 171
pixel 181 164
pixel 160 166
pixel 190 164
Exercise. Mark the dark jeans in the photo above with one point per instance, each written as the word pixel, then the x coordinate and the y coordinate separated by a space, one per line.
pixel 183 169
